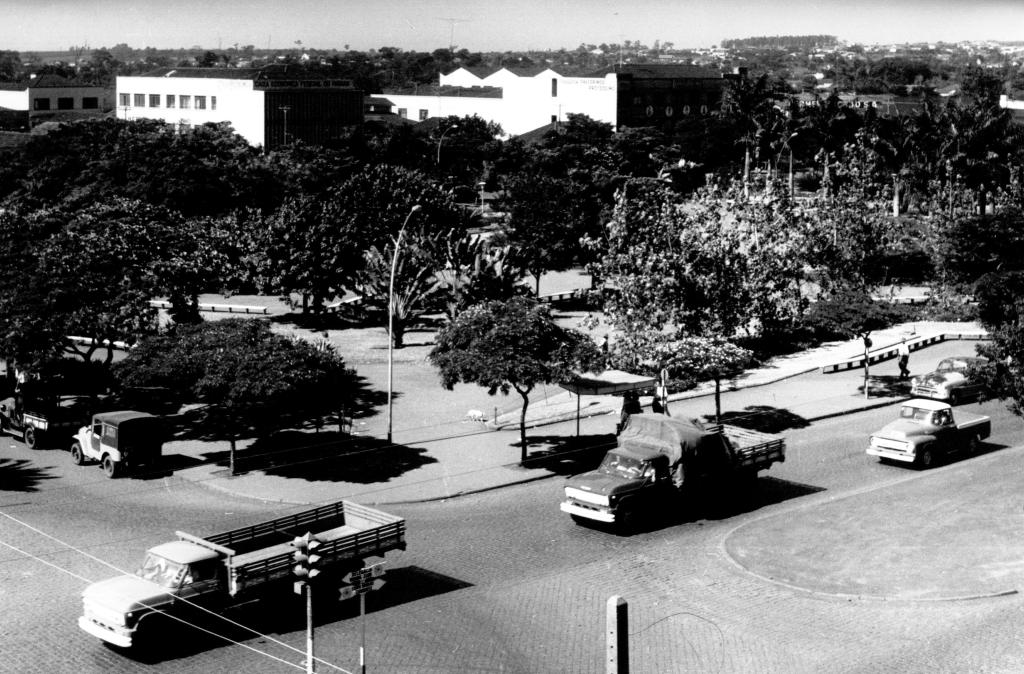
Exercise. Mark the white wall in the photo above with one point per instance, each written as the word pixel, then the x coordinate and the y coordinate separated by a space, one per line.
pixel 460 78
pixel 489 109
pixel 1010 103
pixel 237 102
pixel 14 100
pixel 527 102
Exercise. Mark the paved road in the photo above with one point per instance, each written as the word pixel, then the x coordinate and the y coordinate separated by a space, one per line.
pixel 504 582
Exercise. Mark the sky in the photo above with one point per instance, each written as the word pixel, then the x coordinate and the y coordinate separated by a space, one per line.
pixel 491 25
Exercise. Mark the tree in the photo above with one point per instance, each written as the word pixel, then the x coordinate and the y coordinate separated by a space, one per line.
pixel 547 217
pixel 248 379
pixel 511 344
pixel 852 313
pixel 316 246
pixel 685 359
pixel 711 358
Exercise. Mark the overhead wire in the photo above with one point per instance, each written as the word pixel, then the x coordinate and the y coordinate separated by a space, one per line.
pixel 192 604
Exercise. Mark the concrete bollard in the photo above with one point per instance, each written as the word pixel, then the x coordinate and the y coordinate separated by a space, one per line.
pixel 617 636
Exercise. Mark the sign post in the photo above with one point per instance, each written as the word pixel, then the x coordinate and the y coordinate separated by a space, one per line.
pixel 360 583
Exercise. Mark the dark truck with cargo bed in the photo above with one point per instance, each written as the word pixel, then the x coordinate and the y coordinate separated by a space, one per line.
pixel 659 457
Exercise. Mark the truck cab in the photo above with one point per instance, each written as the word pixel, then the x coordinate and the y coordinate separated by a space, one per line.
pixel 926 431
pixel 119 441
pixel 627 478
pixel 114 609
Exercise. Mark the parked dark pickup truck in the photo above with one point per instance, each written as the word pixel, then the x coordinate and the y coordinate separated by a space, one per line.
pixel 926 431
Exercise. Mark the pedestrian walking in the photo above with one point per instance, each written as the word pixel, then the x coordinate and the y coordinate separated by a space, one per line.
pixel 904 357
pixel 630 406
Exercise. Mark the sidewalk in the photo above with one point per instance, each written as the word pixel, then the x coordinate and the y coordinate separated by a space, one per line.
pixel 465 456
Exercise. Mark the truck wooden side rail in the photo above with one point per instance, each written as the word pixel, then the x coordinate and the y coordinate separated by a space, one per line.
pixel 262 552
pixel 750 448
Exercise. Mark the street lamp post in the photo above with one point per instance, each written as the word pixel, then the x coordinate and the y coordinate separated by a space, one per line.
pixel 391 311
pixel 441 139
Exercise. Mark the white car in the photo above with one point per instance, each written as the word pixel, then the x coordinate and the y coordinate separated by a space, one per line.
pixel 950 381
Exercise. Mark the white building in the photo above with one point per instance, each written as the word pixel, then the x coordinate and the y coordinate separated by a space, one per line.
pixel 518 102
pixel 521 101
pixel 53 97
pixel 266 106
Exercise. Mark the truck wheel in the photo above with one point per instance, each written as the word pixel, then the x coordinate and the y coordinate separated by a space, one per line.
pixel 111 468
pixel 626 520
pixel 926 459
pixel 974 445
pixel 31 438
pixel 77 455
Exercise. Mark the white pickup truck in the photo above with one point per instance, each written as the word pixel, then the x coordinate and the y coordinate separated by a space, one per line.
pixel 926 431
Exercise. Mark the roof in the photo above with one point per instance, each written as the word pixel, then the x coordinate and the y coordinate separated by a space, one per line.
pixel 272 74
pixel 479 71
pixel 207 73
pixel 538 134
pixel 122 416
pixel 50 81
pixel 925 404
pixel 608 382
pixel 660 71
pixel 183 552
pixel 446 90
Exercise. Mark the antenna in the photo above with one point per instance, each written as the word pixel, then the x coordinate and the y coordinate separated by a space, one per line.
pixel 451 36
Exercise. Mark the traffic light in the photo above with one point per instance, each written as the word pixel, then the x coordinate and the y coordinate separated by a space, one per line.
pixel 306 559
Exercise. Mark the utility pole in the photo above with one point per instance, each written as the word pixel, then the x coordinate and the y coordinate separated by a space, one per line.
pixel 285 109
pixel 451 34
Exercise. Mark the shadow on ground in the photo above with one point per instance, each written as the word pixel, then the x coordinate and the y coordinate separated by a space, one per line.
pixel 887 385
pixel 567 455
pixel 762 418
pixel 326 456
pixel 716 500
pixel 285 612
pixel 21 475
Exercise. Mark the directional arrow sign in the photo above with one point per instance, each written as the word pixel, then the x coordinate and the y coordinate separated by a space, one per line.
pixel 377 570
pixel 346 592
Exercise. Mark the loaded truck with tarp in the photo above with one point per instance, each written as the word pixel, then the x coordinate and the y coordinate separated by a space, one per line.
pixel 658 458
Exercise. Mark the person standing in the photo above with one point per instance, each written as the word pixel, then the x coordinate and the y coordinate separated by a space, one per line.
pixel 904 357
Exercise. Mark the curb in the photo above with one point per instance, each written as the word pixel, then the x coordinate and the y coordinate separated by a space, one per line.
pixel 847 596
pixel 215 482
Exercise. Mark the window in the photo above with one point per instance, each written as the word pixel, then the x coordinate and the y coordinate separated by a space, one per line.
pixel 200 102
pixel 90 103
pixel 554 87
pixel 41 103
pixel 140 100
pixel 423 114
pixel 213 102
pixel 65 103
pixel 403 113
pixel 154 100
pixel 170 100
pixel 184 102
pixel 126 100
